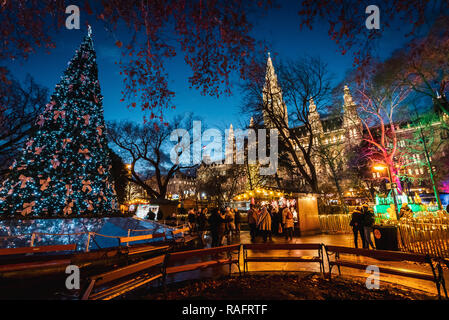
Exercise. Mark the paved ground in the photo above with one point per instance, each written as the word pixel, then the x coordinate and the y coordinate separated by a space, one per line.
pixel 329 239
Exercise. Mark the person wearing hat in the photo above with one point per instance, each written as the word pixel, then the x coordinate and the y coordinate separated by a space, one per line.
pixel 357 226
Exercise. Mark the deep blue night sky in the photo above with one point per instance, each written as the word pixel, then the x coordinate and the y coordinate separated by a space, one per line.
pixel 280 28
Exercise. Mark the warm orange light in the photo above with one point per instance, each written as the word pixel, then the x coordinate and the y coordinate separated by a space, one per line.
pixel 379 167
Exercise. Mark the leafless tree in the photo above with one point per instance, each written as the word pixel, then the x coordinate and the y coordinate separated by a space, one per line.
pixel 296 84
pixel 330 155
pixel 147 148
pixel 19 106
pixel 221 182
pixel 379 108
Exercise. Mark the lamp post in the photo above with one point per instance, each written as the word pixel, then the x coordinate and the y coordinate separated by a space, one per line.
pixel 382 167
pixel 128 166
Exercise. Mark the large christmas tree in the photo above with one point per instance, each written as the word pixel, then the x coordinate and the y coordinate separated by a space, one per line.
pixel 64 168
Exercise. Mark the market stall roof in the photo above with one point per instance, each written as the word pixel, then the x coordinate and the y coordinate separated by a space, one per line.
pixel 263 193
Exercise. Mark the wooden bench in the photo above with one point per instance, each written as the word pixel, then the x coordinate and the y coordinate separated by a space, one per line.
pixel 172 260
pixel 41 249
pixel 287 246
pixel 132 277
pixel 383 255
pixel 17 267
pixel 125 279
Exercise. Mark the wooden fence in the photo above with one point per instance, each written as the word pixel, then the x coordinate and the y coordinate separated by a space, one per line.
pixel 425 236
pixel 333 223
pixel 418 235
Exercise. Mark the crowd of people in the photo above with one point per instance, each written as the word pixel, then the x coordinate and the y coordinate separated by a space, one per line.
pixel 224 224
pixel 221 223
pixel 268 220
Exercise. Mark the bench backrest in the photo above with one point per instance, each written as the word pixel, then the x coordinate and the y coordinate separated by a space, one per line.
pixel 282 246
pixel 380 254
pixel 128 270
pixel 201 252
pixel 183 230
pixel 142 237
pixel 41 249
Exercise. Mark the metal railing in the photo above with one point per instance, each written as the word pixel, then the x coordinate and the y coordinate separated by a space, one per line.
pixel 90 235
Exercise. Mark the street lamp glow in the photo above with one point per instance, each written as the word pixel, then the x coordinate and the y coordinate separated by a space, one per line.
pixel 379 167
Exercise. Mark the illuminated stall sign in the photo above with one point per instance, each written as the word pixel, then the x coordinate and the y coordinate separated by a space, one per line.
pixel 143 211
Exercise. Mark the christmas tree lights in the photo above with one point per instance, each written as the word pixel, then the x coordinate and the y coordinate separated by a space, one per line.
pixel 64 167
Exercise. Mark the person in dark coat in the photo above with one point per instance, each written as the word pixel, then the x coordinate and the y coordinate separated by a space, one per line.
pixel 237 220
pixel 201 224
pixel 368 222
pixel 357 226
pixel 216 227
pixel 274 221
pixel 253 217
pixel 191 218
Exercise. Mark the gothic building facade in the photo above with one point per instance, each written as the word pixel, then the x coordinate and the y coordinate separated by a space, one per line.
pixel 335 138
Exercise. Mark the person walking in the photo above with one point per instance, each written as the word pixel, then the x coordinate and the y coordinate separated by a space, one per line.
pixel 368 222
pixel 191 218
pixel 230 225
pixel 223 228
pixel 237 220
pixel 289 224
pixel 201 225
pixel 264 224
pixel 357 226
pixel 252 221
pixel 216 227
pixel 274 220
pixel 284 212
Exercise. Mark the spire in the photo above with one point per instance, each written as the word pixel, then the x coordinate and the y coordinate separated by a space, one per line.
pixel 347 97
pixel 231 131
pixel 230 146
pixel 272 95
pixel 89 31
pixel 270 74
pixel 314 117
pixel 312 106
pixel 351 120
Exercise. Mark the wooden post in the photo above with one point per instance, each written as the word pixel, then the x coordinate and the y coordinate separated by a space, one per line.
pixel 88 242
pixel 33 236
